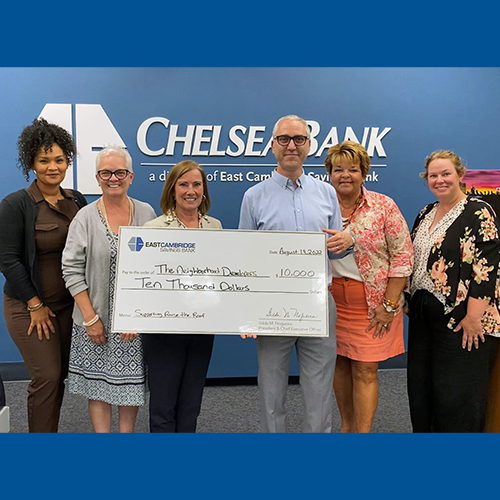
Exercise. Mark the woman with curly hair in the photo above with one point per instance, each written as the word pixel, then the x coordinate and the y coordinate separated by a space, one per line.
pixel 37 307
pixel 454 308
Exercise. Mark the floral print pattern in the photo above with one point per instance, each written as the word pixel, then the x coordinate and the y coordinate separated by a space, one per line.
pixel 382 247
pixel 488 229
pixel 464 261
pixel 440 277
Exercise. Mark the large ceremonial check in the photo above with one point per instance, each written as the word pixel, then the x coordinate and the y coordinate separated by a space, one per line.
pixel 221 282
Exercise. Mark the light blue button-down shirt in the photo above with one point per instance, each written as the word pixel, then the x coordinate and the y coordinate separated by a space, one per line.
pixel 276 205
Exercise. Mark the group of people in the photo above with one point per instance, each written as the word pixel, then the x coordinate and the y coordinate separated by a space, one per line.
pixel 58 256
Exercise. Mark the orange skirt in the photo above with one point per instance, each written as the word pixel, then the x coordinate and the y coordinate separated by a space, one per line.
pixel 353 341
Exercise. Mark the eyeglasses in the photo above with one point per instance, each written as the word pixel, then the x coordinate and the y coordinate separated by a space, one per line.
pixel 284 140
pixel 105 175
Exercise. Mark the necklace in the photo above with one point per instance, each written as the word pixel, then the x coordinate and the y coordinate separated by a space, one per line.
pixel 347 220
pixel 182 225
pixel 349 208
pixel 105 214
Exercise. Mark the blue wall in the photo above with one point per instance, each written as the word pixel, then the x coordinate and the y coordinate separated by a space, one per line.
pixel 424 108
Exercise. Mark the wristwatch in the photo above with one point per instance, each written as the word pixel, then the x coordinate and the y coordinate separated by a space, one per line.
pixel 390 306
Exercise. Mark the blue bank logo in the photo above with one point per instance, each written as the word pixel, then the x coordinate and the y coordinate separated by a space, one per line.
pixel 135 243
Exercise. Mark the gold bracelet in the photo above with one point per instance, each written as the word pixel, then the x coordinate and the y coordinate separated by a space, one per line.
pixel 35 307
pixel 394 305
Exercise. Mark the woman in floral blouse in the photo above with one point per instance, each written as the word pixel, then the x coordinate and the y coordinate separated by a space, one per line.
pixel 454 315
pixel 367 285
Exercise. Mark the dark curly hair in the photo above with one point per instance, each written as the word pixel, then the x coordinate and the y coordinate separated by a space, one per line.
pixel 42 134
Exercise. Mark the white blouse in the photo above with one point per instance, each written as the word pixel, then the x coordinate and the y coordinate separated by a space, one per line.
pixel 346 267
pixel 424 242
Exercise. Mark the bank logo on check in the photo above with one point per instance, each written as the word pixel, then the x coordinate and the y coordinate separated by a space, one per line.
pixel 135 243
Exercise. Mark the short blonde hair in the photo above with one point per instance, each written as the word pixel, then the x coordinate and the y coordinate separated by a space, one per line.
pixel 167 199
pixel 350 151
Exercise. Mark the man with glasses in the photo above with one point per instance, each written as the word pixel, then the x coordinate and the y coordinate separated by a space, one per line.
pixel 293 201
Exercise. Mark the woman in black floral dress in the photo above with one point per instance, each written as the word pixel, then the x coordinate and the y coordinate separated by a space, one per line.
pixel 454 306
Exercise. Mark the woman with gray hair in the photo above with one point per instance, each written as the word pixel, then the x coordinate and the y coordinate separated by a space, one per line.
pixel 105 367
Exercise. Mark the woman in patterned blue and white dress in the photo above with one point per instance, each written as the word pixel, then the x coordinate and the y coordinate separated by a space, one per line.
pixel 107 368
